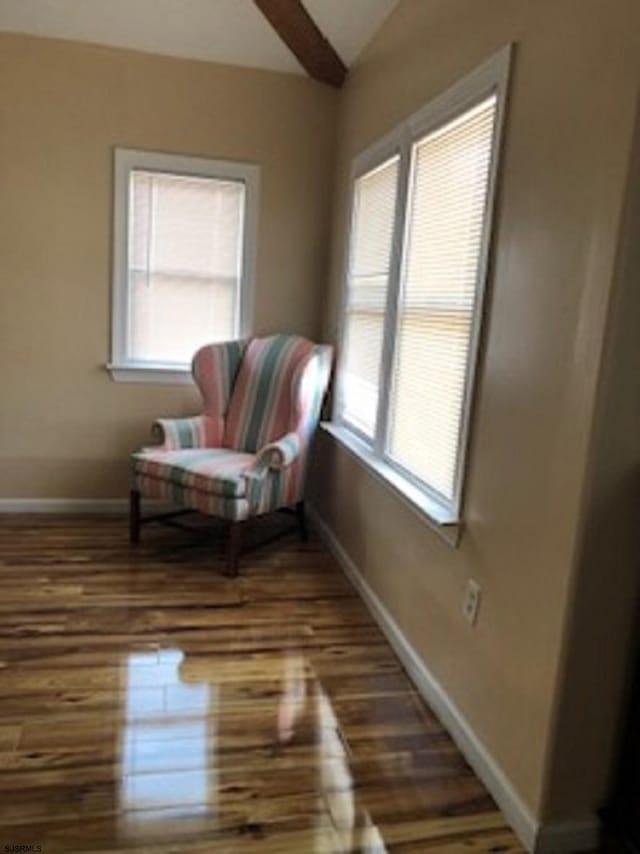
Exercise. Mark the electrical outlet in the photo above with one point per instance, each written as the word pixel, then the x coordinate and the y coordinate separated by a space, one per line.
pixel 471 602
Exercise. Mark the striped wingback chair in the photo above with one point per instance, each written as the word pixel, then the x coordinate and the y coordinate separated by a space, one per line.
pixel 246 454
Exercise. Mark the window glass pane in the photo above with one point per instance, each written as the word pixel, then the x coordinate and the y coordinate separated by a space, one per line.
pixel 185 253
pixel 446 216
pixel 366 298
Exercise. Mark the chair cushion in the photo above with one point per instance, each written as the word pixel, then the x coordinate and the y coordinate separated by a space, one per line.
pixel 216 471
pixel 265 402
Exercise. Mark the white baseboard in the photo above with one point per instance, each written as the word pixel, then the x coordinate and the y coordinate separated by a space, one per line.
pixel 73 505
pixel 559 838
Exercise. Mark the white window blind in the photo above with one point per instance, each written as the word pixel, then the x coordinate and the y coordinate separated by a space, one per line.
pixel 448 195
pixel 417 262
pixel 184 250
pixel 184 264
pixel 366 294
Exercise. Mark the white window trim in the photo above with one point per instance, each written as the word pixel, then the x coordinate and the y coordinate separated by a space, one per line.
pixel 491 77
pixel 439 518
pixel 122 368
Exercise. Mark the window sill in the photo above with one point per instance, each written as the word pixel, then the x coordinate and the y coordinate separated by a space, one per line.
pixel 440 519
pixel 136 372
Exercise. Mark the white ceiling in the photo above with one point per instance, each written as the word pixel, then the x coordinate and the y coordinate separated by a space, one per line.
pixel 230 31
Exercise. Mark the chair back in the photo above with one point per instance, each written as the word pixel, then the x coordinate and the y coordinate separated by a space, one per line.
pixel 215 369
pixel 278 390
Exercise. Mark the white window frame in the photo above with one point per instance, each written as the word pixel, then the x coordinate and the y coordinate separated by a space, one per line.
pixel 492 77
pixel 126 160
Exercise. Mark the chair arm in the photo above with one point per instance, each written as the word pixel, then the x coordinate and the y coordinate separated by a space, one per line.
pixel 177 433
pixel 278 455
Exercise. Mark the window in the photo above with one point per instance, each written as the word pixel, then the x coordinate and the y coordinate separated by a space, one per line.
pixel 184 243
pixel 367 293
pixel 417 258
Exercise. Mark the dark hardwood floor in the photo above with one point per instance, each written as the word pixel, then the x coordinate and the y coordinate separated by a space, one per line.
pixel 149 704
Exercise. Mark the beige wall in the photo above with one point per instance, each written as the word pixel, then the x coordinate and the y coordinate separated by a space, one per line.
pixel 565 163
pixel 65 427
pixel 598 652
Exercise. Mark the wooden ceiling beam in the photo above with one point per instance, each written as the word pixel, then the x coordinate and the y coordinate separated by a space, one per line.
pixel 300 33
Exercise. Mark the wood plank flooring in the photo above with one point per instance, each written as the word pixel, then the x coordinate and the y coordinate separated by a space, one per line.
pixel 149 704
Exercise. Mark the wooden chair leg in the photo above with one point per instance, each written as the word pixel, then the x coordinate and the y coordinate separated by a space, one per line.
pixel 234 543
pixel 302 521
pixel 134 517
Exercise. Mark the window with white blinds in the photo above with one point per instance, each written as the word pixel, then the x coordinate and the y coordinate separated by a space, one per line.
pixel 366 294
pixel 411 314
pixel 182 267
